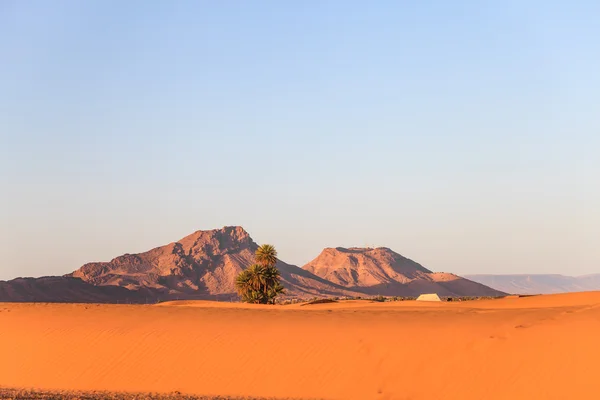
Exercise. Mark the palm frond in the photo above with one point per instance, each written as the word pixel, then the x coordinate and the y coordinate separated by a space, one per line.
pixel 266 255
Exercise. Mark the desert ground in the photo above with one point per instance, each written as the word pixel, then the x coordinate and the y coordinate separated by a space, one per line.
pixel 540 347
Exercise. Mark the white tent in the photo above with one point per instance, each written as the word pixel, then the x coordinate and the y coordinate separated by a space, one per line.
pixel 429 297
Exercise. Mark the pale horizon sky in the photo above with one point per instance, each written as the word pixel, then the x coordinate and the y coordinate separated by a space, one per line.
pixel 464 135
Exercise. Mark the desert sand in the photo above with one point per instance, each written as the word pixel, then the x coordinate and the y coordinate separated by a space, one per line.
pixel 541 347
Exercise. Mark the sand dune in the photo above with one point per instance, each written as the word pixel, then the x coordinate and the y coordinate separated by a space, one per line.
pixel 543 347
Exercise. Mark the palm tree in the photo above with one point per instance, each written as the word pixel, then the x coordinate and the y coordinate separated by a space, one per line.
pixel 261 282
pixel 258 278
pixel 250 284
pixel 266 255
pixel 274 292
pixel 272 283
pixel 243 284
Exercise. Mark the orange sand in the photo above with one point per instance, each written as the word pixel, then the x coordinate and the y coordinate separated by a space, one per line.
pixel 544 347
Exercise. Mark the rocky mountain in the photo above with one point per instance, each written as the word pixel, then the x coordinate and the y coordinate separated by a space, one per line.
pixel 205 264
pixel 539 284
pixel 381 271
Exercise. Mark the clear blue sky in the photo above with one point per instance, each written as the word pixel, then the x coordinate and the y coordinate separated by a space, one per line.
pixel 462 134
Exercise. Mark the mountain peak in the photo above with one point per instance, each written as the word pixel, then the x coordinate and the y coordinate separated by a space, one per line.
pixel 217 241
pixel 205 261
pixel 364 267
pixel 237 233
pixel 382 271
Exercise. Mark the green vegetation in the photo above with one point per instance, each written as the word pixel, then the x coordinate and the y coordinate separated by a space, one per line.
pixel 260 283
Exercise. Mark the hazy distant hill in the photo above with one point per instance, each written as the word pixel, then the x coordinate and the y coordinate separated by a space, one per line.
pixel 539 284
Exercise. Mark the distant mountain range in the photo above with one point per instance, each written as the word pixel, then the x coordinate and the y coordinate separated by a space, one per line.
pixel 539 284
pixel 204 265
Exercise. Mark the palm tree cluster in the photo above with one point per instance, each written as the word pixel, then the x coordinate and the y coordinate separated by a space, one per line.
pixel 260 283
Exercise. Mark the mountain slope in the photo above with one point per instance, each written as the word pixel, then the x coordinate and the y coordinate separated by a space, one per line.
pixel 381 271
pixel 205 262
pixel 540 283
